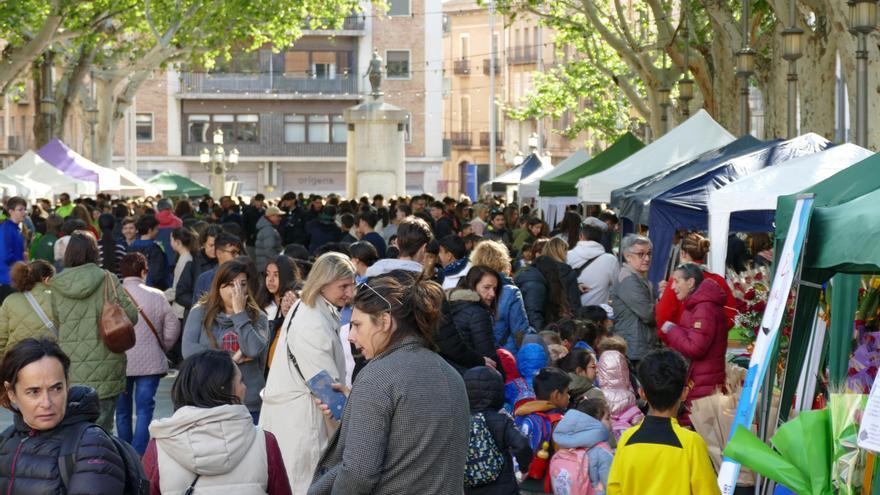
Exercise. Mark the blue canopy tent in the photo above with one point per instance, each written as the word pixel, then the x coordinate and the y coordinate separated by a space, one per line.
pixel 685 206
pixel 632 201
pixel 530 165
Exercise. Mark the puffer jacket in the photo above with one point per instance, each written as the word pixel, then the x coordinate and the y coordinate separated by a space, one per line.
pixel 473 321
pixel 534 293
pixel 529 360
pixel 485 390
pixel 77 301
pixel 569 279
pixel 669 308
pixel 268 243
pixel 33 454
pixel 221 445
pixel 613 375
pixel 701 336
pixel 511 318
pixel 632 299
pixel 577 430
pixel 19 321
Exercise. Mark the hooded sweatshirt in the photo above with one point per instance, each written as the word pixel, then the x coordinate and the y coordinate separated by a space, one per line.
pixel 598 276
pixel 578 430
pixel 221 446
pixel 387 265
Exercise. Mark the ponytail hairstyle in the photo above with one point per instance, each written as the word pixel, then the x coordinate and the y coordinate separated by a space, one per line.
pixel 413 301
pixel 26 275
pixel 110 260
pixel 556 301
pixel 696 246
pixel 188 238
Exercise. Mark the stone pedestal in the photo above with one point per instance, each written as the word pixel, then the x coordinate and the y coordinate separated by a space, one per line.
pixel 376 153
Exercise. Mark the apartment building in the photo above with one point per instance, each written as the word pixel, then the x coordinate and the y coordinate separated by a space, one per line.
pixel 521 47
pixel 282 108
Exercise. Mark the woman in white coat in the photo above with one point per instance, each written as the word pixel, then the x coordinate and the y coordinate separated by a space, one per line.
pixel 309 343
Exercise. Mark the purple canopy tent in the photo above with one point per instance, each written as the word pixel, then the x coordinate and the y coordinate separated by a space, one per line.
pixel 77 166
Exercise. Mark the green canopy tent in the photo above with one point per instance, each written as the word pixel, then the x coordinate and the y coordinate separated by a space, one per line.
pixel 173 184
pixel 565 185
pixel 841 245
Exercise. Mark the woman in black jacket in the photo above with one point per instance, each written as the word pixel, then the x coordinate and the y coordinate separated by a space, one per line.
pixel 543 291
pixel 473 303
pixel 47 412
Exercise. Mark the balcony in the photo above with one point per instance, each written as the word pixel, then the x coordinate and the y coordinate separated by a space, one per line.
pixel 207 83
pixel 487 64
pixel 485 140
pixel 461 139
pixel 521 56
pixel 461 67
pixel 353 22
pixel 321 150
pixel 15 144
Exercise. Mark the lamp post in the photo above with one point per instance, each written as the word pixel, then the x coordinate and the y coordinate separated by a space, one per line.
pixel 792 49
pixel 862 21
pixel 92 112
pixel 664 107
pixel 218 163
pixel 686 84
pixel 745 67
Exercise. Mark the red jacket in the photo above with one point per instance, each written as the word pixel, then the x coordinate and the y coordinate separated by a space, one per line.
pixel 701 336
pixel 669 308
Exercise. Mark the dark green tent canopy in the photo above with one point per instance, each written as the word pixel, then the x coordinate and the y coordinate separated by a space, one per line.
pixel 566 184
pixel 173 184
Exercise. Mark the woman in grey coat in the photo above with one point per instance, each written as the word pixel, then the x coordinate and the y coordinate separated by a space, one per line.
pixel 632 298
pixel 230 320
pixel 405 426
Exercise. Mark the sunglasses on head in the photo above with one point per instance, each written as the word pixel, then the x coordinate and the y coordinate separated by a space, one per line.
pixel 367 286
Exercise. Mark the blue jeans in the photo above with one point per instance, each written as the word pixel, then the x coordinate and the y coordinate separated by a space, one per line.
pixel 144 388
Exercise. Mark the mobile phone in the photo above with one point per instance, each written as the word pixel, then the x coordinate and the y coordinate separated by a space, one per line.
pixel 321 387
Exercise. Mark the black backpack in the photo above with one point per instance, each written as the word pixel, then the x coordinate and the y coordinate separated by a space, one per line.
pixel 136 481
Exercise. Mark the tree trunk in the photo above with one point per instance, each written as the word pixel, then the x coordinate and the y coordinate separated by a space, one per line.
pixel 105 129
pixel 816 84
pixel 724 84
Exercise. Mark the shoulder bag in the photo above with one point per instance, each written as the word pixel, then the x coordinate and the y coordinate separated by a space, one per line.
pixel 147 319
pixel 42 314
pixel 114 327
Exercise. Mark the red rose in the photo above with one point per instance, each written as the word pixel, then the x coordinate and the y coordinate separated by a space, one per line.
pixel 750 294
pixel 759 306
pixel 759 276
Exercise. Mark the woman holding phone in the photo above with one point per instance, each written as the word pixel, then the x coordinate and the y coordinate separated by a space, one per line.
pixel 276 296
pixel 228 318
pixel 308 343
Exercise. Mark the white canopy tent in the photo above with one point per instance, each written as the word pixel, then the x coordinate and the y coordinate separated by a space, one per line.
pixel 45 180
pixel 529 187
pixel 692 137
pixel 132 185
pixel 759 191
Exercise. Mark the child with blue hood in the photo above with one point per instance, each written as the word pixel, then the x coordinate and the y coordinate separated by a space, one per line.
pixel 583 431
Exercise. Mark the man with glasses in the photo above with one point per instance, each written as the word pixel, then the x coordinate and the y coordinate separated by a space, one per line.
pixel 632 298
pixel 12 242
pixel 227 247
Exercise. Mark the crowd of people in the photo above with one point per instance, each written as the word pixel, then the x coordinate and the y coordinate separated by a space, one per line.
pixel 477 349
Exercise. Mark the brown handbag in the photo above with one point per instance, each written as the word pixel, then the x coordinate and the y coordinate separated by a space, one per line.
pixel 114 327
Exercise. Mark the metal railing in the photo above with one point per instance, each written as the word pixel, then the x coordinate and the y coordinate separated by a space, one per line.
pixel 15 143
pixel 353 22
pixel 203 82
pixel 460 139
pixel 527 56
pixel 487 64
pixel 484 139
pixel 275 149
pixel 461 67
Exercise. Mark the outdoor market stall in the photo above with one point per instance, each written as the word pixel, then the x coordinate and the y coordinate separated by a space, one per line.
pixel 529 187
pixel 75 165
pixel 49 179
pixel 176 185
pixel 507 181
pixel 760 191
pixel 692 137
pixel 132 185
pixel 555 193
pixel 685 206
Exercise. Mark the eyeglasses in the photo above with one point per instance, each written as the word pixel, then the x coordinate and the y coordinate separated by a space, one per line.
pixel 364 284
pixel 642 254
pixel 233 251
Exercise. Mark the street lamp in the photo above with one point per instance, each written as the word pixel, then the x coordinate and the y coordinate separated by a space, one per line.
pixel 792 49
pixel 218 162
pixel 686 84
pixel 664 106
pixel 862 21
pixel 92 113
pixel 745 67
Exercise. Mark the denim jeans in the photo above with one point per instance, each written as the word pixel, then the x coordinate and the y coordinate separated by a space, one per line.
pixel 144 388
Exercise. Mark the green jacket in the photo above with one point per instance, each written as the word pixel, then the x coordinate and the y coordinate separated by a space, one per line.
pixel 19 321
pixel 77 301
pixel 44 248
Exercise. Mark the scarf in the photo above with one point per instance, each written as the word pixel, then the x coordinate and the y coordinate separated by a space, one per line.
pixel 455 267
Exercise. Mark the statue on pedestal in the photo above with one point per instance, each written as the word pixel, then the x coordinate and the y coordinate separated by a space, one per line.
pixel 374 72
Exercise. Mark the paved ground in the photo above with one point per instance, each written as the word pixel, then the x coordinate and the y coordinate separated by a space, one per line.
pixel 163 404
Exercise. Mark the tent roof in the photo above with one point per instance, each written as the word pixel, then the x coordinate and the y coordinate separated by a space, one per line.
pixel 134 185
pixel 529 166
pixel 761 190
pixel 843 237
pixel 565 184
pixel 75 165
pixel 696 135
pixel 173 184
pixel 632 200
pixel 685 207
pixel 529 187
pixel 846 185
pixel 32 166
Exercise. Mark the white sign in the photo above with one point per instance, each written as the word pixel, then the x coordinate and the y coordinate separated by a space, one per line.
pixel 869 432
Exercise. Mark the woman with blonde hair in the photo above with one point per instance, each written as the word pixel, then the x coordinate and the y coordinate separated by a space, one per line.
pixel 511 322
pixel 308 344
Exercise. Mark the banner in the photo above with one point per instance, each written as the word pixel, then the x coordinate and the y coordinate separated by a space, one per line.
pixel 787 268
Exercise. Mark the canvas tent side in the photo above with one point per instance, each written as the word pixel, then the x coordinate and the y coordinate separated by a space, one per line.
pixel 760 191
pixel 75 165
pixel 529 187
pixel 172 184
pixel 32 166
pixel 692 137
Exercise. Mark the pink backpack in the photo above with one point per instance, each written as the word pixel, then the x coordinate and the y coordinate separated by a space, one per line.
pixel 570 471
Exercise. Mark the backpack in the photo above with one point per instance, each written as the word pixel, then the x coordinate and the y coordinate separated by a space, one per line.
pixel 570 471
pixel 484 461
pixel 136 481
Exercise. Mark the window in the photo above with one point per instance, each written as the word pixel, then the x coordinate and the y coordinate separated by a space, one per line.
pixel 324 65
pixel 517 43
pixel 144 127
pixel 465 114
pixel 339 129
pixel 537 45
pixel 319 128
pixel 407 129
pixel 398 7
pixel 225 123
pixel 397 64
pixel 197 126
pixel 465 42
pixel 296 64
pixel 294 128
pixel 247 128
